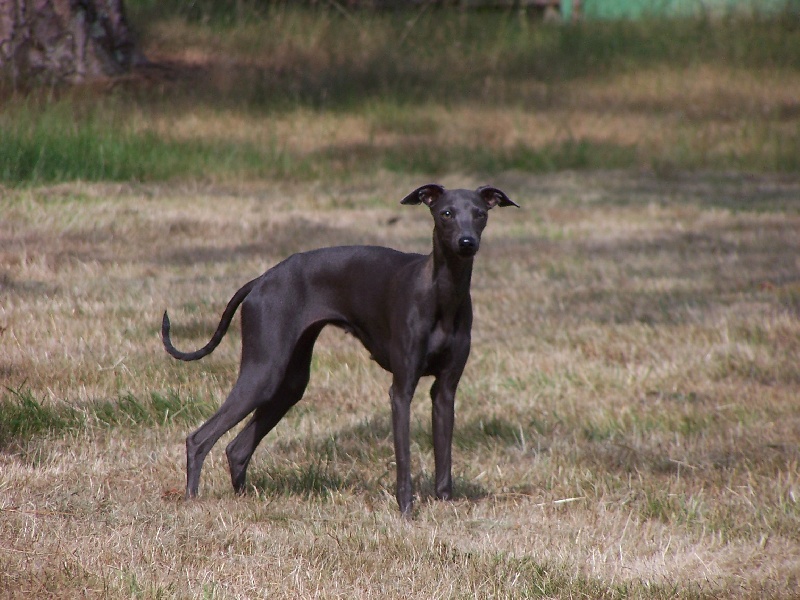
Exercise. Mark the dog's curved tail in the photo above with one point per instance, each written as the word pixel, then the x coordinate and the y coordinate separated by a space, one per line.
pixel 222 328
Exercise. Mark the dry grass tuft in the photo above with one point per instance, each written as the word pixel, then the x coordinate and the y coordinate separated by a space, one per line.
pixel 627 425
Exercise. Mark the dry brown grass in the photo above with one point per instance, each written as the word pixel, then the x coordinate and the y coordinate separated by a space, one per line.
pixel 627 425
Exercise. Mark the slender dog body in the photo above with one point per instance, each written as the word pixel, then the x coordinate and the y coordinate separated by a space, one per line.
pixel 412 312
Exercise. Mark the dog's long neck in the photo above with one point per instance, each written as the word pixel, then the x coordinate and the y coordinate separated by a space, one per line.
pixel 452 275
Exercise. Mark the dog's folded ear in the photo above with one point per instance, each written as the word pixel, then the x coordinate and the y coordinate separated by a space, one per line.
pixel 427 194
pixel 494 197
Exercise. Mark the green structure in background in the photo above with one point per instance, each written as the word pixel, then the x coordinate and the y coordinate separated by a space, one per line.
pixel 634 9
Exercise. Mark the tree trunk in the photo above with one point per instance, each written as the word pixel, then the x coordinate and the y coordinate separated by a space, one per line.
pixel 64 41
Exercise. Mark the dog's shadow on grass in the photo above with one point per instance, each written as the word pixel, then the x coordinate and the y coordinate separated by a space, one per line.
pixel 320 481
pixel 359 459
pixel 463 489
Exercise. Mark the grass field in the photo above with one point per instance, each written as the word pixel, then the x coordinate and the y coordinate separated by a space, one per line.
pixel 309 95
pixel 628 423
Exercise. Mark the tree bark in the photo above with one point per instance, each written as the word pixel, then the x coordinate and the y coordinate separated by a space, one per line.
pixel 64 41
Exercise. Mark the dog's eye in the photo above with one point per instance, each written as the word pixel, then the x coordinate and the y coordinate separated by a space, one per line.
pixel 447 214
pixel 481 214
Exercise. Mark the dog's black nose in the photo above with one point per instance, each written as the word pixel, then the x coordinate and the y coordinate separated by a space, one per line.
pixel 467 244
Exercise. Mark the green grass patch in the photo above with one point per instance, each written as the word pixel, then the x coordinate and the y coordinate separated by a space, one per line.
pixel 24 417
pixel 50 144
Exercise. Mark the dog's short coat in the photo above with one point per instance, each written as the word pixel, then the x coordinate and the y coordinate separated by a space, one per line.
pixel 412 312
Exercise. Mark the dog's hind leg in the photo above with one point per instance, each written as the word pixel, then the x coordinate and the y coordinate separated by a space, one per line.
pixel 247 395
pixel 292 388
pixel 240 450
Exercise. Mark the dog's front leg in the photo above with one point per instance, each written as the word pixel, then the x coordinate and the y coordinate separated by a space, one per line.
pixel 443 415
pixel 401 394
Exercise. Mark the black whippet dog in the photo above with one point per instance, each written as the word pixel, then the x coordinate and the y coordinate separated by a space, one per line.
pixel 412 312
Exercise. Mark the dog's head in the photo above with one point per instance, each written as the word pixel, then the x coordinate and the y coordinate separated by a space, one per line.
pixel 459 215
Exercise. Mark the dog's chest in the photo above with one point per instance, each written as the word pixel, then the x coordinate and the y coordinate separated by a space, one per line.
pixel 439 340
